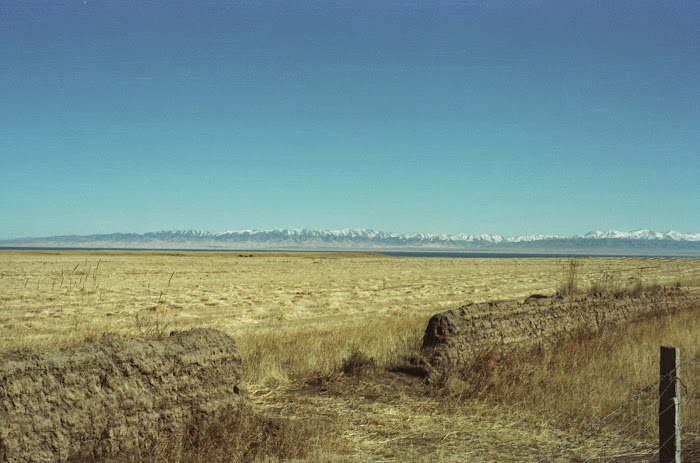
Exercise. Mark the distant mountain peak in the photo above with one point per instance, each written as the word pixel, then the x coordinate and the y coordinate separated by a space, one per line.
pixel 636 242
pixel 643 234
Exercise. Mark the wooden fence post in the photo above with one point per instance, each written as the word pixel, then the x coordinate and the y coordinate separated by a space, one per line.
pixel 669 406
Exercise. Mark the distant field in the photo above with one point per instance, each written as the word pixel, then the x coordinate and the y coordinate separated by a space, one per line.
pixel 297 317
pixel 51 298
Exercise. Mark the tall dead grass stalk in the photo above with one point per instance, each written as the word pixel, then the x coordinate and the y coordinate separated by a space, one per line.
pixel 570 285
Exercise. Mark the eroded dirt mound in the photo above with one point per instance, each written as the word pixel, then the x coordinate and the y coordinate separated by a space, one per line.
pixel 454 337
pixel 115 395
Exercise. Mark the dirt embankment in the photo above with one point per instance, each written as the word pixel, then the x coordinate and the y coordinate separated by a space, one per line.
pixel 454 337
pixel 115 395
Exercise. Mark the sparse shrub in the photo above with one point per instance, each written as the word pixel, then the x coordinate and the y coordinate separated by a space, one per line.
pixel 569 285
pixel 357 363
pixel 633 287
pixel 154 327
pixel 596 287
pixel 474 379
pixel 609 284
pixel 636 287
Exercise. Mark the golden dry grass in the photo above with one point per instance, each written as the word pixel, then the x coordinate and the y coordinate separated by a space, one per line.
pixel 298 317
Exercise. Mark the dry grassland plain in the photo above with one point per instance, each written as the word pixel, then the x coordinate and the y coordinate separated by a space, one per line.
pixel 298 317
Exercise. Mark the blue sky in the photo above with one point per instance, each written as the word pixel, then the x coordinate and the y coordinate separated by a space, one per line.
pixel 510 117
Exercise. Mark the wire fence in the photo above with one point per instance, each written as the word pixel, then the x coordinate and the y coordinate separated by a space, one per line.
pixel 630 432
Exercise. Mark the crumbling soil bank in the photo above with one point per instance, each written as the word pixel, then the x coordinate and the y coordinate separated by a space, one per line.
pixel 115 395
pixel 454 337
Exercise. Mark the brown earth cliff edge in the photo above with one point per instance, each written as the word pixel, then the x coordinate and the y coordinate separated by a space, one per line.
pixel 115 395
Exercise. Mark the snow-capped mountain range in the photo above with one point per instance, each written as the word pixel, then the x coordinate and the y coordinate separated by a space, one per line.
pixel 639 242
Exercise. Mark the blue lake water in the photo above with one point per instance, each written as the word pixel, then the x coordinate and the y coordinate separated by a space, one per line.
pixel 447 254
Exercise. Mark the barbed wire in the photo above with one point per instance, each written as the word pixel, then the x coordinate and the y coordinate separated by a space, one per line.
pixel 688 440
pixel 689 362
pixel 696 420
pixel 610 439
pixel 670 438
pixel 696 439
pixel 650 422
pixel 575 438
pixel 642 392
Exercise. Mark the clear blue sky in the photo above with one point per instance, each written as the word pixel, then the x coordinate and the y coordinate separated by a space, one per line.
pixel 508 117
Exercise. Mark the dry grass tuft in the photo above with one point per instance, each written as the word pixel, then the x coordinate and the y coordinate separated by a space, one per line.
pixel 283 353
pixel 570 283
pixel 239 438
pixel 358 363
pixel 630 283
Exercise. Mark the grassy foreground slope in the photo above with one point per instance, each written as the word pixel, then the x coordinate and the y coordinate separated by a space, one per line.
pixel 319 334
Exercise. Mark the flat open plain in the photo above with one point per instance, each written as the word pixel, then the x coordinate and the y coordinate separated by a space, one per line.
pixel 297 316
pixel 51 298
